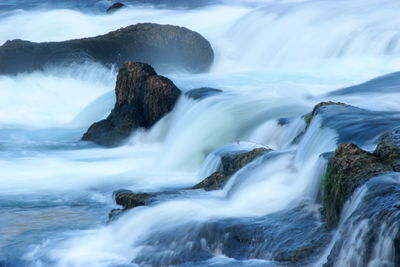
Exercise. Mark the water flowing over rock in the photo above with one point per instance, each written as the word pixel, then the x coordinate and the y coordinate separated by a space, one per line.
pixel 292 238
pixel 385 84
pixel 166 47
pixel 369 229
pixel 353 124
pixel 142 98
pixel 308 118
pixel 230 164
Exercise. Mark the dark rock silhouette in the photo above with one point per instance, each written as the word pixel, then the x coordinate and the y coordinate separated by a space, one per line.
pixel 142 98
pixel 114 7
pixel 166 47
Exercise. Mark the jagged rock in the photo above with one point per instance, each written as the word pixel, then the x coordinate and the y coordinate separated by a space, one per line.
pixel 166 47
pixel 349 167
pixel 230 164
pixel 203 92
pixel 388 148
pixel 114 7
pixel 142 98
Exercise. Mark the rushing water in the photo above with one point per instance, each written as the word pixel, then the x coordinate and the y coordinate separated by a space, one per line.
pixel 274 59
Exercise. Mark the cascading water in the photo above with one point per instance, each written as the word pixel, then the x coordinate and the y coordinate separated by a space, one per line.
pixel 274 60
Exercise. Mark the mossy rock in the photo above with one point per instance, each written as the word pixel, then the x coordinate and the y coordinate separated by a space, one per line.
pixel 230 164
pixel 388 148
pixel 349 167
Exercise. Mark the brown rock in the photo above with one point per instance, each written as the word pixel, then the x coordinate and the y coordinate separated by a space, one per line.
pixel 349 167
pixel 142 98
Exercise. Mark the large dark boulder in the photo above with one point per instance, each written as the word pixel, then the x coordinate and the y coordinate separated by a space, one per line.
pixel 166 47
pixel 231 163
pixel 142 98
pixel 348 169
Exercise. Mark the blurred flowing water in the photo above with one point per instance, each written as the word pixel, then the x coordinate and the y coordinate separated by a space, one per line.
pixel 274 60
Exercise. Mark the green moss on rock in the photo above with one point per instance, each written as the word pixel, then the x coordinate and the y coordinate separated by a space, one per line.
pixel 349 167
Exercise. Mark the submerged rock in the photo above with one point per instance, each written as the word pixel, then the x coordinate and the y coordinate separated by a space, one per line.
pixel 203 92
pixel 292 237
pixel 142 98
pixel 388 83
pixel 230 164
pixel 166 47
pixel 114 7
pixel 349 167
pixel 352 124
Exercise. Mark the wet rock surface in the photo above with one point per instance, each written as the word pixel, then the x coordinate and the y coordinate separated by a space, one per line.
pixel 142 98
pixel 129 200
pixel 230 164
pixel 166 47
pixel 349 167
